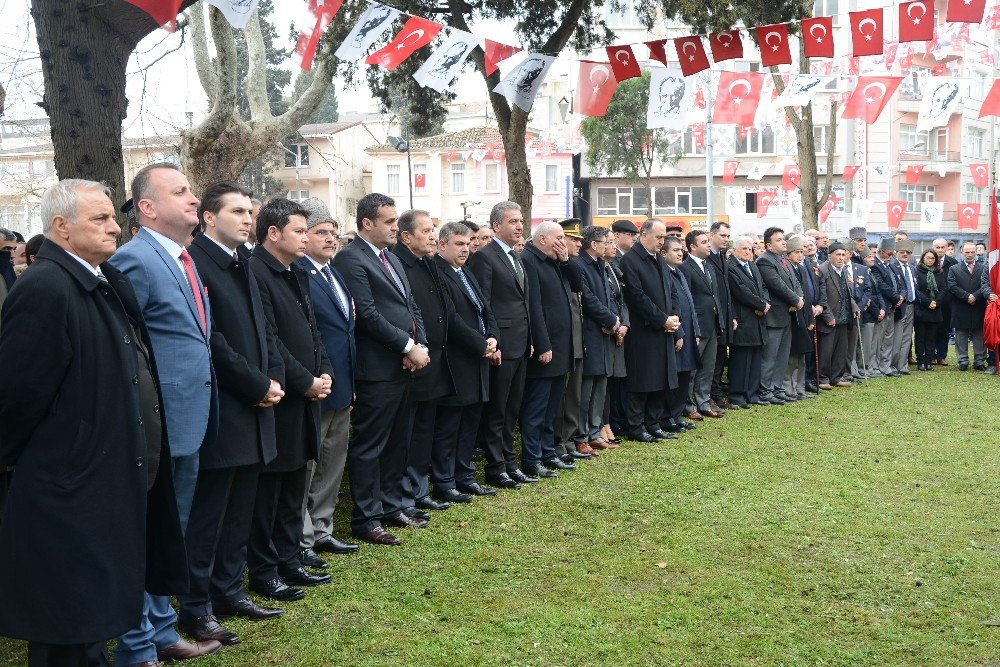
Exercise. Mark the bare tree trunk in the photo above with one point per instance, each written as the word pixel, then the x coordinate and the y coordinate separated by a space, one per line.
pixel 84 50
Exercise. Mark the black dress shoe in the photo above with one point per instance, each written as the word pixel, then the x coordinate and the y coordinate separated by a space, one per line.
pixel 502 481
pixel 276 589
pixel 309 558
pixel 414 513
pixel 475 489
pixel 662 435
pixel 335 546
pixel 448 496
pixel 774 400
pixel 579 456
pixel 758 401
pixel 245 608
pixel 428 503
pixel 302 577
pixel 558 464
pixel 812 388
pixel 672 428
pixel 379 536
pixel 207 628
pixel 688 426
pixel 401 520
pixel 642 436
pixel 541 471
pixel 518 476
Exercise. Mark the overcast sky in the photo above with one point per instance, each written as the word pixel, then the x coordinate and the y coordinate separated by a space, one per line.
pixel 159 94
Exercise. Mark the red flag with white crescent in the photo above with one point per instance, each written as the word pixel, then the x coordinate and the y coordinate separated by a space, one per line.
pixel 595 88
pixel 850 170
pixel 307 43
pixel 828 207
pixel 913 173
pixel 691 52
pixel 870 96
pixel 968 216
pixel 991 105
pixel 965 11
pixel 817 36
pixel 738 97
pixel 416 32
pixel 790 177
pixel 773 41
pixel 894 210
pixel 729 171
pixel 916 21
pixel 496 53
pixel 991 322
pixel 623 62
pixel 658 50
pixel 764 200
pixel 726 45
pixel 980 174
pixel 866 32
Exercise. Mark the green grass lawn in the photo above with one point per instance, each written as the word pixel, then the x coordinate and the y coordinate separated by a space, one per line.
pixel 856 529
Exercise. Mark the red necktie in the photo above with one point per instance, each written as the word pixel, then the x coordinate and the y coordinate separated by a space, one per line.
pixel 972 269
pixel 193 283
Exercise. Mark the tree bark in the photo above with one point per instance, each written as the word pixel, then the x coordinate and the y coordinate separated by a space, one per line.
pixel 84 50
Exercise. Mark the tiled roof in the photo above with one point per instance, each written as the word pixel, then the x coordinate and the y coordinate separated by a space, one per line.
pixel 319 129
pixel 474 136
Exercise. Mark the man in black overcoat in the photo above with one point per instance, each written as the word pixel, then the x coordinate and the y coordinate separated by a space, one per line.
pixel 969 294
pixel 250 373
pixel 273 551
pixel 92 519
pixel 749 308
pixel 720 234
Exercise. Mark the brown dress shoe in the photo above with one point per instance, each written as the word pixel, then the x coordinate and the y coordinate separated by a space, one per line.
pixel 711 413
pixel 842 383
pixel 584 448
pixel 606 445
pixel 402 520
pixel 715 406
pixel 206 628
pixel 825 386
pixel 724 404
pixel 379 536
pixel 597 444
pixel 694 416
pixel 185 650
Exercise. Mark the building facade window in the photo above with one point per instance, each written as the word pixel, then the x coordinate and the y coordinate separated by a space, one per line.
pixel 915 195
pixel 392 179
pixel 458 178
pixel 911 141
pixel 551 178
pixel 298 195
pixel 688 144
pixel 680 200
pixel 621 201
pixel 491 177
pixel 827 8
pixel 975 142
pixel 624 14
pixel 419 178
pixel 821 137
pixel 756 142
pixel 972 194
pixel 297 155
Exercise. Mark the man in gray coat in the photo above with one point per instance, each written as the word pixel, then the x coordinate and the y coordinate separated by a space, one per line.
pixel 786 298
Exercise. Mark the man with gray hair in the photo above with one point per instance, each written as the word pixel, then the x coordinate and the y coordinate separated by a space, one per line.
pixel 92 521
pixel 891 291
pixel 944 331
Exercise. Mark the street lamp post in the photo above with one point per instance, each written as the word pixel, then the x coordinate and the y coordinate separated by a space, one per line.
pixel 467 205
pixel 402 144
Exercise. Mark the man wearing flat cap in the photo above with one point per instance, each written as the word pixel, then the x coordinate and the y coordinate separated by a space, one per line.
pixel 677 232
pixel 890 290
pixel 836 320
pixel 902 335
pixel 625 235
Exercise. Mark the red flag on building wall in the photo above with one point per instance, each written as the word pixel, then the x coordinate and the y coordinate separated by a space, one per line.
pixel 894 210
pixel 790 177
pixel 419 180
pixel 773 40
pixel 966 11
pixel 870 97
pixel 968 216
pixel 916 21
pixel 866 32
pixel 980 174
pixel 828 207
pixel 729 171
pixel 913 173
pixel 416 32
pixel 991 105
pixel 817 34
pixel 738 97
pixel 850 170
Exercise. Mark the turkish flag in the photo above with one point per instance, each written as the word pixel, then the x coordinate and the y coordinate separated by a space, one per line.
pixel 817 34
pixel 850 170
pixel 764 200
pixel 968 216
pixel 894 210
pixel 692 54
pixel 496 53
pixel 870 96
pixel 994 246
pixel 991 105
pixel 729 171
pixel 164 12
pixel 416 32
pixel 824 213
pixel 698 134
pixel 419 180
pixel 790 177
pixel 699 99
pixel 738 97
pixel 980 174
pixel 595 88
pixel 658 50
pixel 726 45
pixel 307 43
pixel 916 21
pixel 866 32
pixel 913 173
pixel 966 11
pixel 623 62
pixel 773 41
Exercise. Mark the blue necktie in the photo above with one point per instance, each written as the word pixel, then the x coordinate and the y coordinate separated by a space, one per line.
pixel 328 274
pixel 472 295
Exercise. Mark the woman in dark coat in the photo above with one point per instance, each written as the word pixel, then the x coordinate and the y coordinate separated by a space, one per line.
pixel 931 288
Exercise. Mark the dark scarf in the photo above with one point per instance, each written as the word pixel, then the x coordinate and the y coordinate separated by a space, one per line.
pixel 932 287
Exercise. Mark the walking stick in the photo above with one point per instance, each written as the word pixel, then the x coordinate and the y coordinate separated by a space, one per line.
pixel 816 353
pixel 861 346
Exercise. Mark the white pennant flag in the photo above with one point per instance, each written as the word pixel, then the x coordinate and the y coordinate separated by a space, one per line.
pixel 446 61
pixel 940 168
pixel 931 214
pixel 670 95
pixel 237 12
pixel 880 170
pixel 522 83
pixel 758 170
pixel 801 89
pixel 372 25
pixel 941 99
pixel 862 211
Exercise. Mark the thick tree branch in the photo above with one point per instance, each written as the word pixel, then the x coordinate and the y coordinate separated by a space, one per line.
pixel 224 103
pixel 202 59
pixel 831 149
pixel 256 81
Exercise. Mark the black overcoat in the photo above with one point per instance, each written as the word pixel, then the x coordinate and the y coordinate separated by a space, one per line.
pixel 783 289
pixel 549 294
pixel 284 296
pixel 922 311
pixel 749 297
pixel 961 284
pixel 599 312
pixel 245 356
pixel 651 299
pixel 717 261
pixel 74 542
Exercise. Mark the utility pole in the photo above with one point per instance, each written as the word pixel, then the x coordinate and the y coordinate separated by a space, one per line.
pixel 709 162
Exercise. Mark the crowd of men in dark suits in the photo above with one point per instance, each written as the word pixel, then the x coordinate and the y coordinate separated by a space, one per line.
pixel 190 405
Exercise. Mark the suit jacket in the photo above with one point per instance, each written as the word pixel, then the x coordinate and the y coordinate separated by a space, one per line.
pixel 495 275
pixel 688 359
pixel 651 298
pixel 466 342
pixel 434 381
pixel 284 296
pixel 961 284
pixel 836 296
pixel 898 268
pixel 617 293
pixel 783 289
pixel 336 328
pixel 599 312
pixel 705 293
pixel 888 284
pixel 182 348
pixel 549 294
pixel 864 293
pixel 717 260
pixel 80 521
pixel 922 311
pixel 749 297
pixel 245 356
pixel 386 317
